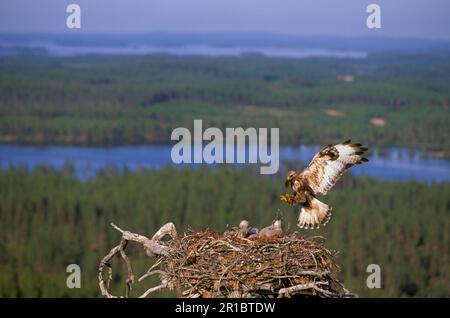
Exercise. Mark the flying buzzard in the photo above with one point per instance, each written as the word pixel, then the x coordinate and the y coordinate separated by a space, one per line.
pixel 324 170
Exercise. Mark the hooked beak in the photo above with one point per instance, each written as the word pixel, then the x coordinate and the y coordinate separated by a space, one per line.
pixel 287 183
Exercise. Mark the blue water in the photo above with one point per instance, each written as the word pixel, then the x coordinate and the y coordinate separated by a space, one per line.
pixel 394 164
pixel 55 49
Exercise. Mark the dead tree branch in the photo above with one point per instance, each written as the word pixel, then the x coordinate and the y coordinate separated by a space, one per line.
pixel 151 247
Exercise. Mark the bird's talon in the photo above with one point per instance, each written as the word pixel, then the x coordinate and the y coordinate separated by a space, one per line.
pixel 287 198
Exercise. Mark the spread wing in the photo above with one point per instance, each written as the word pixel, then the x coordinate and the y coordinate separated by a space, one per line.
pixel 329 164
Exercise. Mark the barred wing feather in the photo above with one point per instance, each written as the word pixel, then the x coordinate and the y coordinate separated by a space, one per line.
pixel 329 164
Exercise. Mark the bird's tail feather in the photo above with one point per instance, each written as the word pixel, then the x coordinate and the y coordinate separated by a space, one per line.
pixel 315 215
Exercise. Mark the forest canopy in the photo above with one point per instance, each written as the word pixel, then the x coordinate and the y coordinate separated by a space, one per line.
pixel 385 100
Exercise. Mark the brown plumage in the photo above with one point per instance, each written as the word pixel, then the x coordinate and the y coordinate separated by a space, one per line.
pixel 274 230
pixel 322 173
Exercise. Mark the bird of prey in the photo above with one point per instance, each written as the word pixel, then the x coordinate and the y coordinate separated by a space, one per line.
pixel 324 170
pixel 243 231
pixel 273 230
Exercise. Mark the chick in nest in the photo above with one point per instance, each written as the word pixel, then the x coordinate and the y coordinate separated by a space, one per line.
pixel 274 230
pixel 243 231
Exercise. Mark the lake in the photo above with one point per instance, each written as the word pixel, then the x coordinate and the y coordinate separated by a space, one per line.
pixel 392 164
pixel 58 50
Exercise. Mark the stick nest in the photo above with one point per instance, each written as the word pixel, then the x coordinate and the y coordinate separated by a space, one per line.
pixel 211 265
pixel 207 264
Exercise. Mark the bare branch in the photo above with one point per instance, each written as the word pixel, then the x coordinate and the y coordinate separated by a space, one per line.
pixel 166 229
pixel 150 273
pixel 151 290
pixel 151 247
pixel 105 287
pixel 300 287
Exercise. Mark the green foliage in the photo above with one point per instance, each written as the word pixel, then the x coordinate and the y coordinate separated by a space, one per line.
pixel 123 100
pixel 48 220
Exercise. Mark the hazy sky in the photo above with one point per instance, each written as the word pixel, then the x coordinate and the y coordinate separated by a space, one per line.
pixel 411 18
